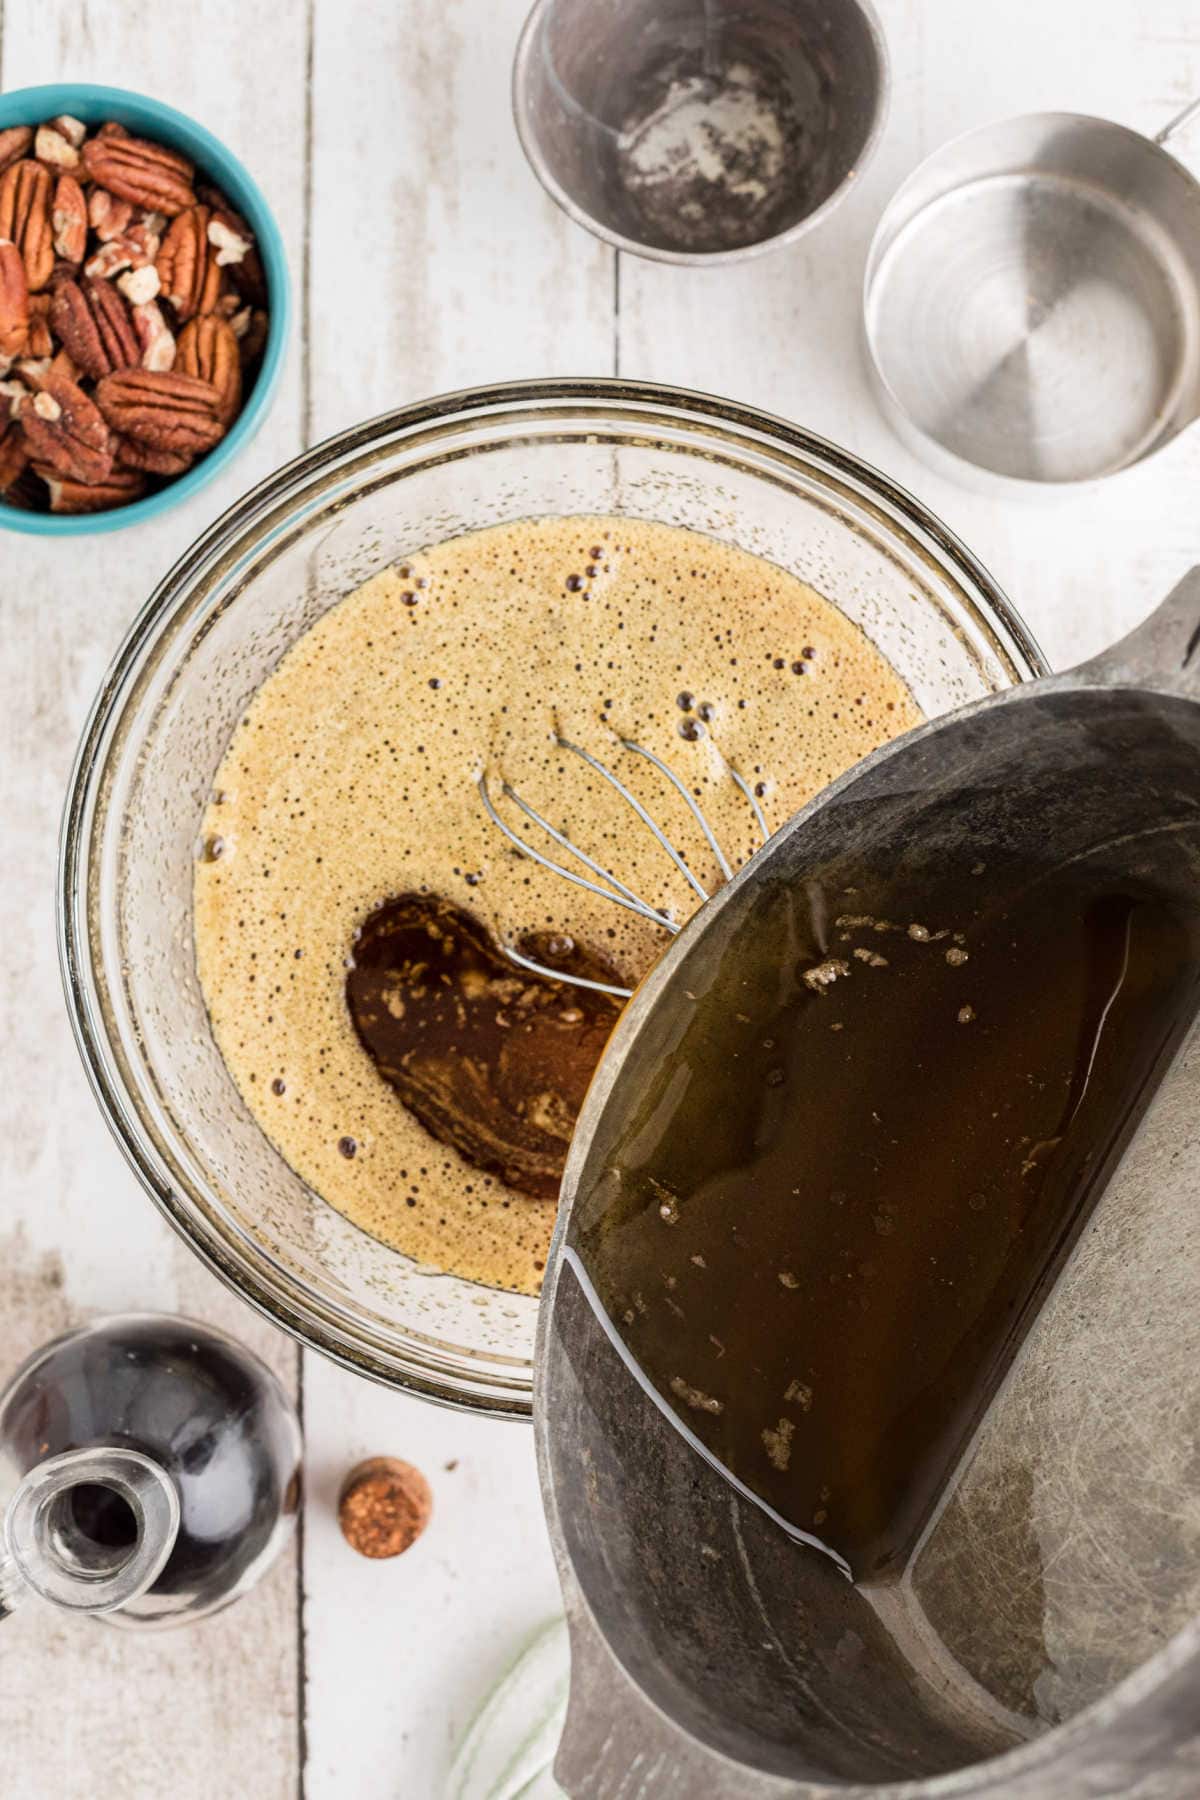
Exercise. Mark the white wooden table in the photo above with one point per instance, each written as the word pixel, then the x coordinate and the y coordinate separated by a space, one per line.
pixel 425 257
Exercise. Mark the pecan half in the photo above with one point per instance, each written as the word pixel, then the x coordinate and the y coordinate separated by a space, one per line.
pixel 187 269
pixel 94 327
pixel 208 348
pixel 25 195
pixel 65 431
pixel 55 150
pixel 14 300
pixel 63 367
pixel 108 215
pixel 15 142
pixel 110 129
pixel 68 496
pixel 148 174
pixel 155 337
pixel 155 462
pixel 165 411
pixel 14 456
pixel 69 220
pixel 39 342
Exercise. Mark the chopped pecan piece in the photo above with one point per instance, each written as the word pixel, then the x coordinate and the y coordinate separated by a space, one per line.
pixel 136 248
pixel 108 216
pixel 14 300
pixel 166 411
pixel 69 220
pixel 231 247
pixel 140 286
pixel 155 337
pixel 74 130
pixel 65 431
pixel 15 142
pixel 208 348
pixel 117 489
pixel 110 129
pixel 55 150
pixel 94 327
pixel 33 370
pixel 25 194
pixel 148 174
pixel 244 269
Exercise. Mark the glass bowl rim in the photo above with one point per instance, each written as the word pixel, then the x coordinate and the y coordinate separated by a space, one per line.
pixel 275 505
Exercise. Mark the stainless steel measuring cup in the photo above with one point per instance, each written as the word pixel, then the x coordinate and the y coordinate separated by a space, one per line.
pixel 699 131
pixel 1032 299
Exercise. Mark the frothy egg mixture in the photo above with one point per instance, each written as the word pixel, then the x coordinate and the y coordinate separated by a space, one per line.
pixel 351 783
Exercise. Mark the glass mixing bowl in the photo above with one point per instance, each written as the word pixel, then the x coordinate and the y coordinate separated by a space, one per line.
pixel 219 624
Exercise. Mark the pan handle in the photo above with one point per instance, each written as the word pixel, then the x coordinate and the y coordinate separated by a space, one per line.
pixel 1161 653
pixel 1181 119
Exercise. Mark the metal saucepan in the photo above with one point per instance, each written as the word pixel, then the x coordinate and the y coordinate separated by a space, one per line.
pixel 1044 1643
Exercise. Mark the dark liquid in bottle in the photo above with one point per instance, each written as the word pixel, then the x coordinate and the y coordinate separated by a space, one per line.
pixel 836 1213
pixel 197 1405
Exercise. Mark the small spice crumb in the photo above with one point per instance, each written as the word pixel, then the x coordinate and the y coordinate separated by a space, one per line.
pixel 956 957
pixel 695 1396
pixel 384 1506
pixel 778 1444
pixel 668 1208
pixel 787 1279
pixel 823 974
pixel 966 1014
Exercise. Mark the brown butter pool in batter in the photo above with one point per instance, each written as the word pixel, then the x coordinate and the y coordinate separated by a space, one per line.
pixel 352 779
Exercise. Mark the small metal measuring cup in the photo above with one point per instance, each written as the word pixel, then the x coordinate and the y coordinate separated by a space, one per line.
pixel 1032 299
pixel 699 131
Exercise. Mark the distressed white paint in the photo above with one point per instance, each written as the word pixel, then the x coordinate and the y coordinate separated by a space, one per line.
pixel 85 1709
pixel 436 261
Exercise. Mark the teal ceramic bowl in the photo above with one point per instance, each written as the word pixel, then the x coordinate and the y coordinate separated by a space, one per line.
pixel 151 119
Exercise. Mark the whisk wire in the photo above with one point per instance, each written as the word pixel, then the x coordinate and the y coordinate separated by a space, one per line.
pixel 614 781
pixel 697 814
pixel 548 862
pixel 614 889
pixel 589 862
pixel 743 787
pixel 583 981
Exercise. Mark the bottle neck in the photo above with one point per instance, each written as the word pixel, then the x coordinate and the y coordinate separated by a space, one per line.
pixel 89 1530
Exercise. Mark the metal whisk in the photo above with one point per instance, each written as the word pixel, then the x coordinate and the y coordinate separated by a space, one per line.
pixel 614 889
